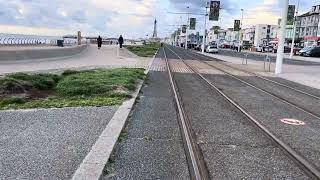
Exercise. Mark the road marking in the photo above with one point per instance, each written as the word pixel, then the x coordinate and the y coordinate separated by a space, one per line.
pixel 294 122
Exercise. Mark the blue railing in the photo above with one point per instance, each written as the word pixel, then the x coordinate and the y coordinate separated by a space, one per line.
pixel 14 40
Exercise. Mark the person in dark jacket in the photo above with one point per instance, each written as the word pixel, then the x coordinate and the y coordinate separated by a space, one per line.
pixel 99 40
pixel 120 40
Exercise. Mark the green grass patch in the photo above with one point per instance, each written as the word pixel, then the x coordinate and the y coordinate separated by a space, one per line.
pixel 99 87
pixel 147 50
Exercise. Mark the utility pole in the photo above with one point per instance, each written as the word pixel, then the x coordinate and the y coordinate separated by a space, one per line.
pixel 176 38
pixel 188 25
pixel 279 61
pixel 294 30
pixel 240 30
pixel 205 30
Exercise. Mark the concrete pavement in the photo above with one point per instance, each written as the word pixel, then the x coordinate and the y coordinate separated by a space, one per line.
pixel 30 53
pixel 106 57
pixel 306 75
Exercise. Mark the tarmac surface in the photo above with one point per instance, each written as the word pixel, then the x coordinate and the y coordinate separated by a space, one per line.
pixel 153 148
pixel 48 143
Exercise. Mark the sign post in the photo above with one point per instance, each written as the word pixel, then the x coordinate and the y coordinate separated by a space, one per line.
pixel 193 22
pixel 294 31
pixel 214 11
pixel 236 27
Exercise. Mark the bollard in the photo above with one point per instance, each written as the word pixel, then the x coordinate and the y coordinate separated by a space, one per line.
pixel 245 58
pixel 118 49
pixel 267 59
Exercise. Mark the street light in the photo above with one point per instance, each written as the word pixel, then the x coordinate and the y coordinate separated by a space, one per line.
pixel 188 25
pixel 239 45
pixel 280 50
pixel 205 30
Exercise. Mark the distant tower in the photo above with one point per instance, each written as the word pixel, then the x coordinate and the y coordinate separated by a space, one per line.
pixel 155 34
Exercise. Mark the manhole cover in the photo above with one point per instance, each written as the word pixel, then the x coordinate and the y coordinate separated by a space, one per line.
pixel 294 122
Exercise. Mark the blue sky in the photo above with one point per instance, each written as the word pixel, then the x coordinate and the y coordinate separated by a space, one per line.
pixel 132 18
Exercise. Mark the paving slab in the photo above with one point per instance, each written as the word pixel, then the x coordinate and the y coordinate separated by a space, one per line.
pixel 305 75
pixel 48 143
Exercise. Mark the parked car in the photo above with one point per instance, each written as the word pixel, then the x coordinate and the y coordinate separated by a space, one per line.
pixel 197 47
pixel 212 49
pixel 205 48
pixel 286 49
pixel 313 52
pixel 304 50
pixel 259 48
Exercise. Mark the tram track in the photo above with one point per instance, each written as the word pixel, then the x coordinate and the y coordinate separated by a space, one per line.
pixel 258 76
pixel 296 105
pixel 196 163
pixel 308 167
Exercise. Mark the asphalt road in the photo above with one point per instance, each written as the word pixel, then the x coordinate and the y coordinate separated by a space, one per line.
pixel 48 143
pixel 153 147
pixel 258 57
pixel 232 146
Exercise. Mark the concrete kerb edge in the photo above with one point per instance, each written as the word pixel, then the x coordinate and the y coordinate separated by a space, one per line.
pixel 93 164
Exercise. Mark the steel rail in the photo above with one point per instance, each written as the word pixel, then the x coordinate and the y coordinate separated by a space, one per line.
pixel 309 168
pixel 198 170
pixel 264 91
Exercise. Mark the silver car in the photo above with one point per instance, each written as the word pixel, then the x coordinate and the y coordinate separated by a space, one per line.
pixel 212 49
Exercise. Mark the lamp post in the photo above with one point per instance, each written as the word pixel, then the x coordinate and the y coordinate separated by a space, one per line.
pixel 188 25
pixel 280 50
pixel 205 30
pixel 240 30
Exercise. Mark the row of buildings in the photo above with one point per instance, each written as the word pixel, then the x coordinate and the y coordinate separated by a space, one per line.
pixel 307 32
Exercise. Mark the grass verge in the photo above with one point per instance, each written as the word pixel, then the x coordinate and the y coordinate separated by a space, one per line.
pixel 147 50
pixel 98 87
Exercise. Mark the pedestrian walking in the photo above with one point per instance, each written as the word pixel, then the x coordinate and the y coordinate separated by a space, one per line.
pixel 120 40
pixel 99 41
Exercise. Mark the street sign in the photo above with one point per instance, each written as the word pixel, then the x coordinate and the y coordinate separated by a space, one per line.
pixel 214 10
pixel 291 12
pixel 236 26
pixel 184 28
pixel 192 23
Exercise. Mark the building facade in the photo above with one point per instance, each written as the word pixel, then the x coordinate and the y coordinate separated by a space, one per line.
pixel 264 33
pixel 308 26
pixel 247 35
pixel 232 36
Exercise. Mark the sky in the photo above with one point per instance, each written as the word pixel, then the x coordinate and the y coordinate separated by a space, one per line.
pixel 131 18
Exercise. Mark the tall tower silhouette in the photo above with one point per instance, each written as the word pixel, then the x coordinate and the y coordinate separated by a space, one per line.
pixel 155 33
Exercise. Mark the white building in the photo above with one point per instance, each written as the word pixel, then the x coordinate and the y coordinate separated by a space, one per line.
pixel 308 26
pixel 265 33
pixel 248 34
pixel 212 36
pixel 231 36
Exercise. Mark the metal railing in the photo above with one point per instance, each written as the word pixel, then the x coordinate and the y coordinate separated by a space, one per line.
pixel 8 40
